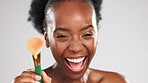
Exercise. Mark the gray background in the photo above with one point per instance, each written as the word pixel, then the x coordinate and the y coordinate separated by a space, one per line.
pixel 123 39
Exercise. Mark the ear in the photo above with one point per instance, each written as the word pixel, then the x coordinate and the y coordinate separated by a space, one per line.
pixel 46 39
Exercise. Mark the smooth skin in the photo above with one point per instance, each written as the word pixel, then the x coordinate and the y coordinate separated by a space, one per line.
pixel 74 35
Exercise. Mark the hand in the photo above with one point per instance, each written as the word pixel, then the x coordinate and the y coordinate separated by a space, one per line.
pixel 46 79
pixel 29 76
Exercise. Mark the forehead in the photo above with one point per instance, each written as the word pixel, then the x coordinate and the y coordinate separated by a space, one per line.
pixel 66 11
pixel 72 10
pixel 68 8
pixel 73 6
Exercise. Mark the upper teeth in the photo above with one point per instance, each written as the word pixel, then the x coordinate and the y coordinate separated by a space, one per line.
pixel 76 60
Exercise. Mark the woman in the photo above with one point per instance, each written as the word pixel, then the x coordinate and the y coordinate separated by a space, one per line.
pixel 70 29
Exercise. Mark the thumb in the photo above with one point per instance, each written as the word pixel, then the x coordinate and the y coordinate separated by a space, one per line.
pixel 46 79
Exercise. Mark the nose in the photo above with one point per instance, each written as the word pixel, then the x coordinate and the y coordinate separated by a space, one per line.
pixel 76 46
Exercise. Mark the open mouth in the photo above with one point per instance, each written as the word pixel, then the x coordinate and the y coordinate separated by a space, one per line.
pixel 75 64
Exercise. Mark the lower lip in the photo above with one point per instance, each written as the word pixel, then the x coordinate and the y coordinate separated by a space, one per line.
pixel 76 67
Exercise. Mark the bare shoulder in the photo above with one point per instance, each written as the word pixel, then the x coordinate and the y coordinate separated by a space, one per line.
pixel 113 77
pixel 99 76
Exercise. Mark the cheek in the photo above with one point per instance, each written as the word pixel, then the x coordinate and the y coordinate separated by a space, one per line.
pixel 91 46
pixel 58 50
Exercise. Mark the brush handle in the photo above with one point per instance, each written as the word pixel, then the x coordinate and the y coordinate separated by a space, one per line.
pixel 38 71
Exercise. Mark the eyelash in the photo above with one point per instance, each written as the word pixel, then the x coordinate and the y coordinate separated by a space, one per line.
pixel 65 37
pixel 88 34
pixel 61 36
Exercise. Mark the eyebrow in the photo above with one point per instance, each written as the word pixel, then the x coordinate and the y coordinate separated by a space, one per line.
pixel 85 28
pixel 65 29
pixel 60 29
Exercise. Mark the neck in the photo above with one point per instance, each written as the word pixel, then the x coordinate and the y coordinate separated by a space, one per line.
pixel 59 76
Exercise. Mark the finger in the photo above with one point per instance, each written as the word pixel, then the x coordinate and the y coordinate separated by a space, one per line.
pixel 31 74
pixel 24 79
pixel 46 79
pixel 28 73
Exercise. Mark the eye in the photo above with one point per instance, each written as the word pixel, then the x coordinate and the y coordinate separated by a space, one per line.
pixel 87 35
pixel 62 37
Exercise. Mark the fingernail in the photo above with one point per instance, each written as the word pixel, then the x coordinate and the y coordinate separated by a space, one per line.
pixel 37 77
pixel 37 82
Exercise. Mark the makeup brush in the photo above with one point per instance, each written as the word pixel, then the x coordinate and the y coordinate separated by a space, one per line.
pixel 35 45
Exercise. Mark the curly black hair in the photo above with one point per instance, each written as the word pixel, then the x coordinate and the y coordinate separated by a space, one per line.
pixel 37 12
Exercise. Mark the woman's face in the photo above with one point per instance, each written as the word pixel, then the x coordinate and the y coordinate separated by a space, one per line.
pixel 73 37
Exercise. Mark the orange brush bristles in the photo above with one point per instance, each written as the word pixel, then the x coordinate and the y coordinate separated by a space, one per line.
pixel 35 45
